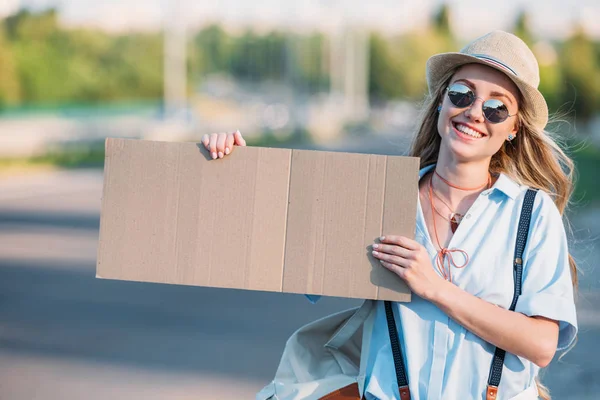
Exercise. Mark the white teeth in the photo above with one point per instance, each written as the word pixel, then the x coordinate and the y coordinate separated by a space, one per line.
pixel 468 131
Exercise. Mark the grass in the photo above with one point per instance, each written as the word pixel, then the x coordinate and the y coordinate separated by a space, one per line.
pixel 76 157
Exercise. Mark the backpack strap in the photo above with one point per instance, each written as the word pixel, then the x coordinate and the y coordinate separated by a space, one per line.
pixel 522 234
pixel 397 352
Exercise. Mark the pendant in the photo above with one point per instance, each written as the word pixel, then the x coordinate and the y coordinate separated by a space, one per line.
pixel 455 220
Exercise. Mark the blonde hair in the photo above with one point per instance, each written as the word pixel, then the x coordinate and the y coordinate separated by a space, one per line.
pixel 533 158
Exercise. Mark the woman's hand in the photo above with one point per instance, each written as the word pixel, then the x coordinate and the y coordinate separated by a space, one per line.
pixel 410 261
pixel 534 338
pixel 221 144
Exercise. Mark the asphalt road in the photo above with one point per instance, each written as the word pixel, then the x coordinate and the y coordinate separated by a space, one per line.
pixel 66 335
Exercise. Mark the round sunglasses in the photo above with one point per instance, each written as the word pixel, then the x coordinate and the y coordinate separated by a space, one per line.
pixel 463 96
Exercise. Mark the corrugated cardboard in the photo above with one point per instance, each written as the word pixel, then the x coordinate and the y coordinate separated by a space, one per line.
pixel 295 221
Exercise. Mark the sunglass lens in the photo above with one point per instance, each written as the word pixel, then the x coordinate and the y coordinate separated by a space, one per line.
pixel 495 111
pixel 460 95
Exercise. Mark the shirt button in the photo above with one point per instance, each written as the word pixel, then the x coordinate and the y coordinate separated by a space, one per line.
pixel 468 216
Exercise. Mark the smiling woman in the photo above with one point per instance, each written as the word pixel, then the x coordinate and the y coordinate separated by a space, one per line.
pixel 484 122
pixel 489 267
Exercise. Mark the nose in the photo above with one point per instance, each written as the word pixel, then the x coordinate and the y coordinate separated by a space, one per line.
pixel 475 111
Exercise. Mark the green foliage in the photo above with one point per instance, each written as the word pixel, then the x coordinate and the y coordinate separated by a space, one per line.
pixel 42 62
pixel 441 21
pixel 551 83
pixel 212 49
pixel 91 155
pixel 56 65
pixel 9 85
pixel 397 66
pixel 258 57
pixel 522 30
pixel 587 164
pixel 580 63
pixel 385 72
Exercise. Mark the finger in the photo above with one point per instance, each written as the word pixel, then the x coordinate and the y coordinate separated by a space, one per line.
pixel 394 250
pixel 403 241
pixel 206 141
pixel 401 272
pixel 403 262
pixel 239 140
pixel 229 143
pixel 213 145
pixel 221 144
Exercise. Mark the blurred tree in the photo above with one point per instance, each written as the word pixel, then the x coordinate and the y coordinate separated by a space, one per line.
pixel 397 67
pixel 56 65
pixel 9 82
pixel 522 29
pixel 441 21
pixel 385 74
pixel 41 52
pixel 133 67
pixel 551 78
pixel 311 74
pixel 245 57
pixel 212 49
pixel 581 69
pixel 550 73
pixel 41 61
pixel 416 48
pixel 277 56
pixel 274 44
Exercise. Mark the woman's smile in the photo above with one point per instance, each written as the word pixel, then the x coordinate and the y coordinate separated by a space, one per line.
pixel 466 132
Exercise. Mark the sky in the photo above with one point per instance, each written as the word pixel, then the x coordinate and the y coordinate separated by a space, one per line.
pixel 469 18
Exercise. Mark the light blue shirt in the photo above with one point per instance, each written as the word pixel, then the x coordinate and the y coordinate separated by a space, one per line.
pixel 443 359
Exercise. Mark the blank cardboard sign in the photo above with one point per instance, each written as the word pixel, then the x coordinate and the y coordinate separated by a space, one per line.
pixel 281 220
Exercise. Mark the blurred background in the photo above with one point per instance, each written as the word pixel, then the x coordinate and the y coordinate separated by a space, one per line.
pixel 320 74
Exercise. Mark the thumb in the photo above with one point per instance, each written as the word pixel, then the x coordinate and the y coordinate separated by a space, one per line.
pixel 239 140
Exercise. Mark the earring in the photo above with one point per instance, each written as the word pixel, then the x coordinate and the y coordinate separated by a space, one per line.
pixel 510 137
pixel 439 108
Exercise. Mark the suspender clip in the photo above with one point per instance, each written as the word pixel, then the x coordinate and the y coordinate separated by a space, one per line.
pixel 404 392
pixel 491 393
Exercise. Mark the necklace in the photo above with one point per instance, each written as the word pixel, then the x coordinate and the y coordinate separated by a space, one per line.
pixel 461 188
pixel 444 252
pixel 455 218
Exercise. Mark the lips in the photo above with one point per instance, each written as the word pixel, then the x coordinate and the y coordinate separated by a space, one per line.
pixel 467 131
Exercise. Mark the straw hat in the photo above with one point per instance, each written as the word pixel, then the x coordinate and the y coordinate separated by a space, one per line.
pixel 504 52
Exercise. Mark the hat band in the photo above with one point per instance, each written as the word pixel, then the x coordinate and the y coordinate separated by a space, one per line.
pixel 496 62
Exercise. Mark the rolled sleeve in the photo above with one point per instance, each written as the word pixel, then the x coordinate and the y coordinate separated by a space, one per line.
pixel 552 307
pixel 547 285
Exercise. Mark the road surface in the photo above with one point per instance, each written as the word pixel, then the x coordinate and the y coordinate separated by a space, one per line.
pixel 66 335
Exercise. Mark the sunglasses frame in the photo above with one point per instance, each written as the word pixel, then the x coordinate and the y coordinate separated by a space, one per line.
pixel 447 90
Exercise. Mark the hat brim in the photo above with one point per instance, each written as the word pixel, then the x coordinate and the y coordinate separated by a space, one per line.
pixel 439 64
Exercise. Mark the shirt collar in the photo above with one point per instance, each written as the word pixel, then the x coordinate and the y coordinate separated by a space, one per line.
pixel 507 186
pixel 425 170
pixel 504 183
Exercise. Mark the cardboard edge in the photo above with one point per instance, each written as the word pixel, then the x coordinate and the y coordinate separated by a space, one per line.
pixel 108 149
pixel 287 216
pixel 397 296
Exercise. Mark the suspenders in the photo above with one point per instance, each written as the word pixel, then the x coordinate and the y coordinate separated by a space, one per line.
pixel 499 354
pixel 397 352
pixel 522 233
